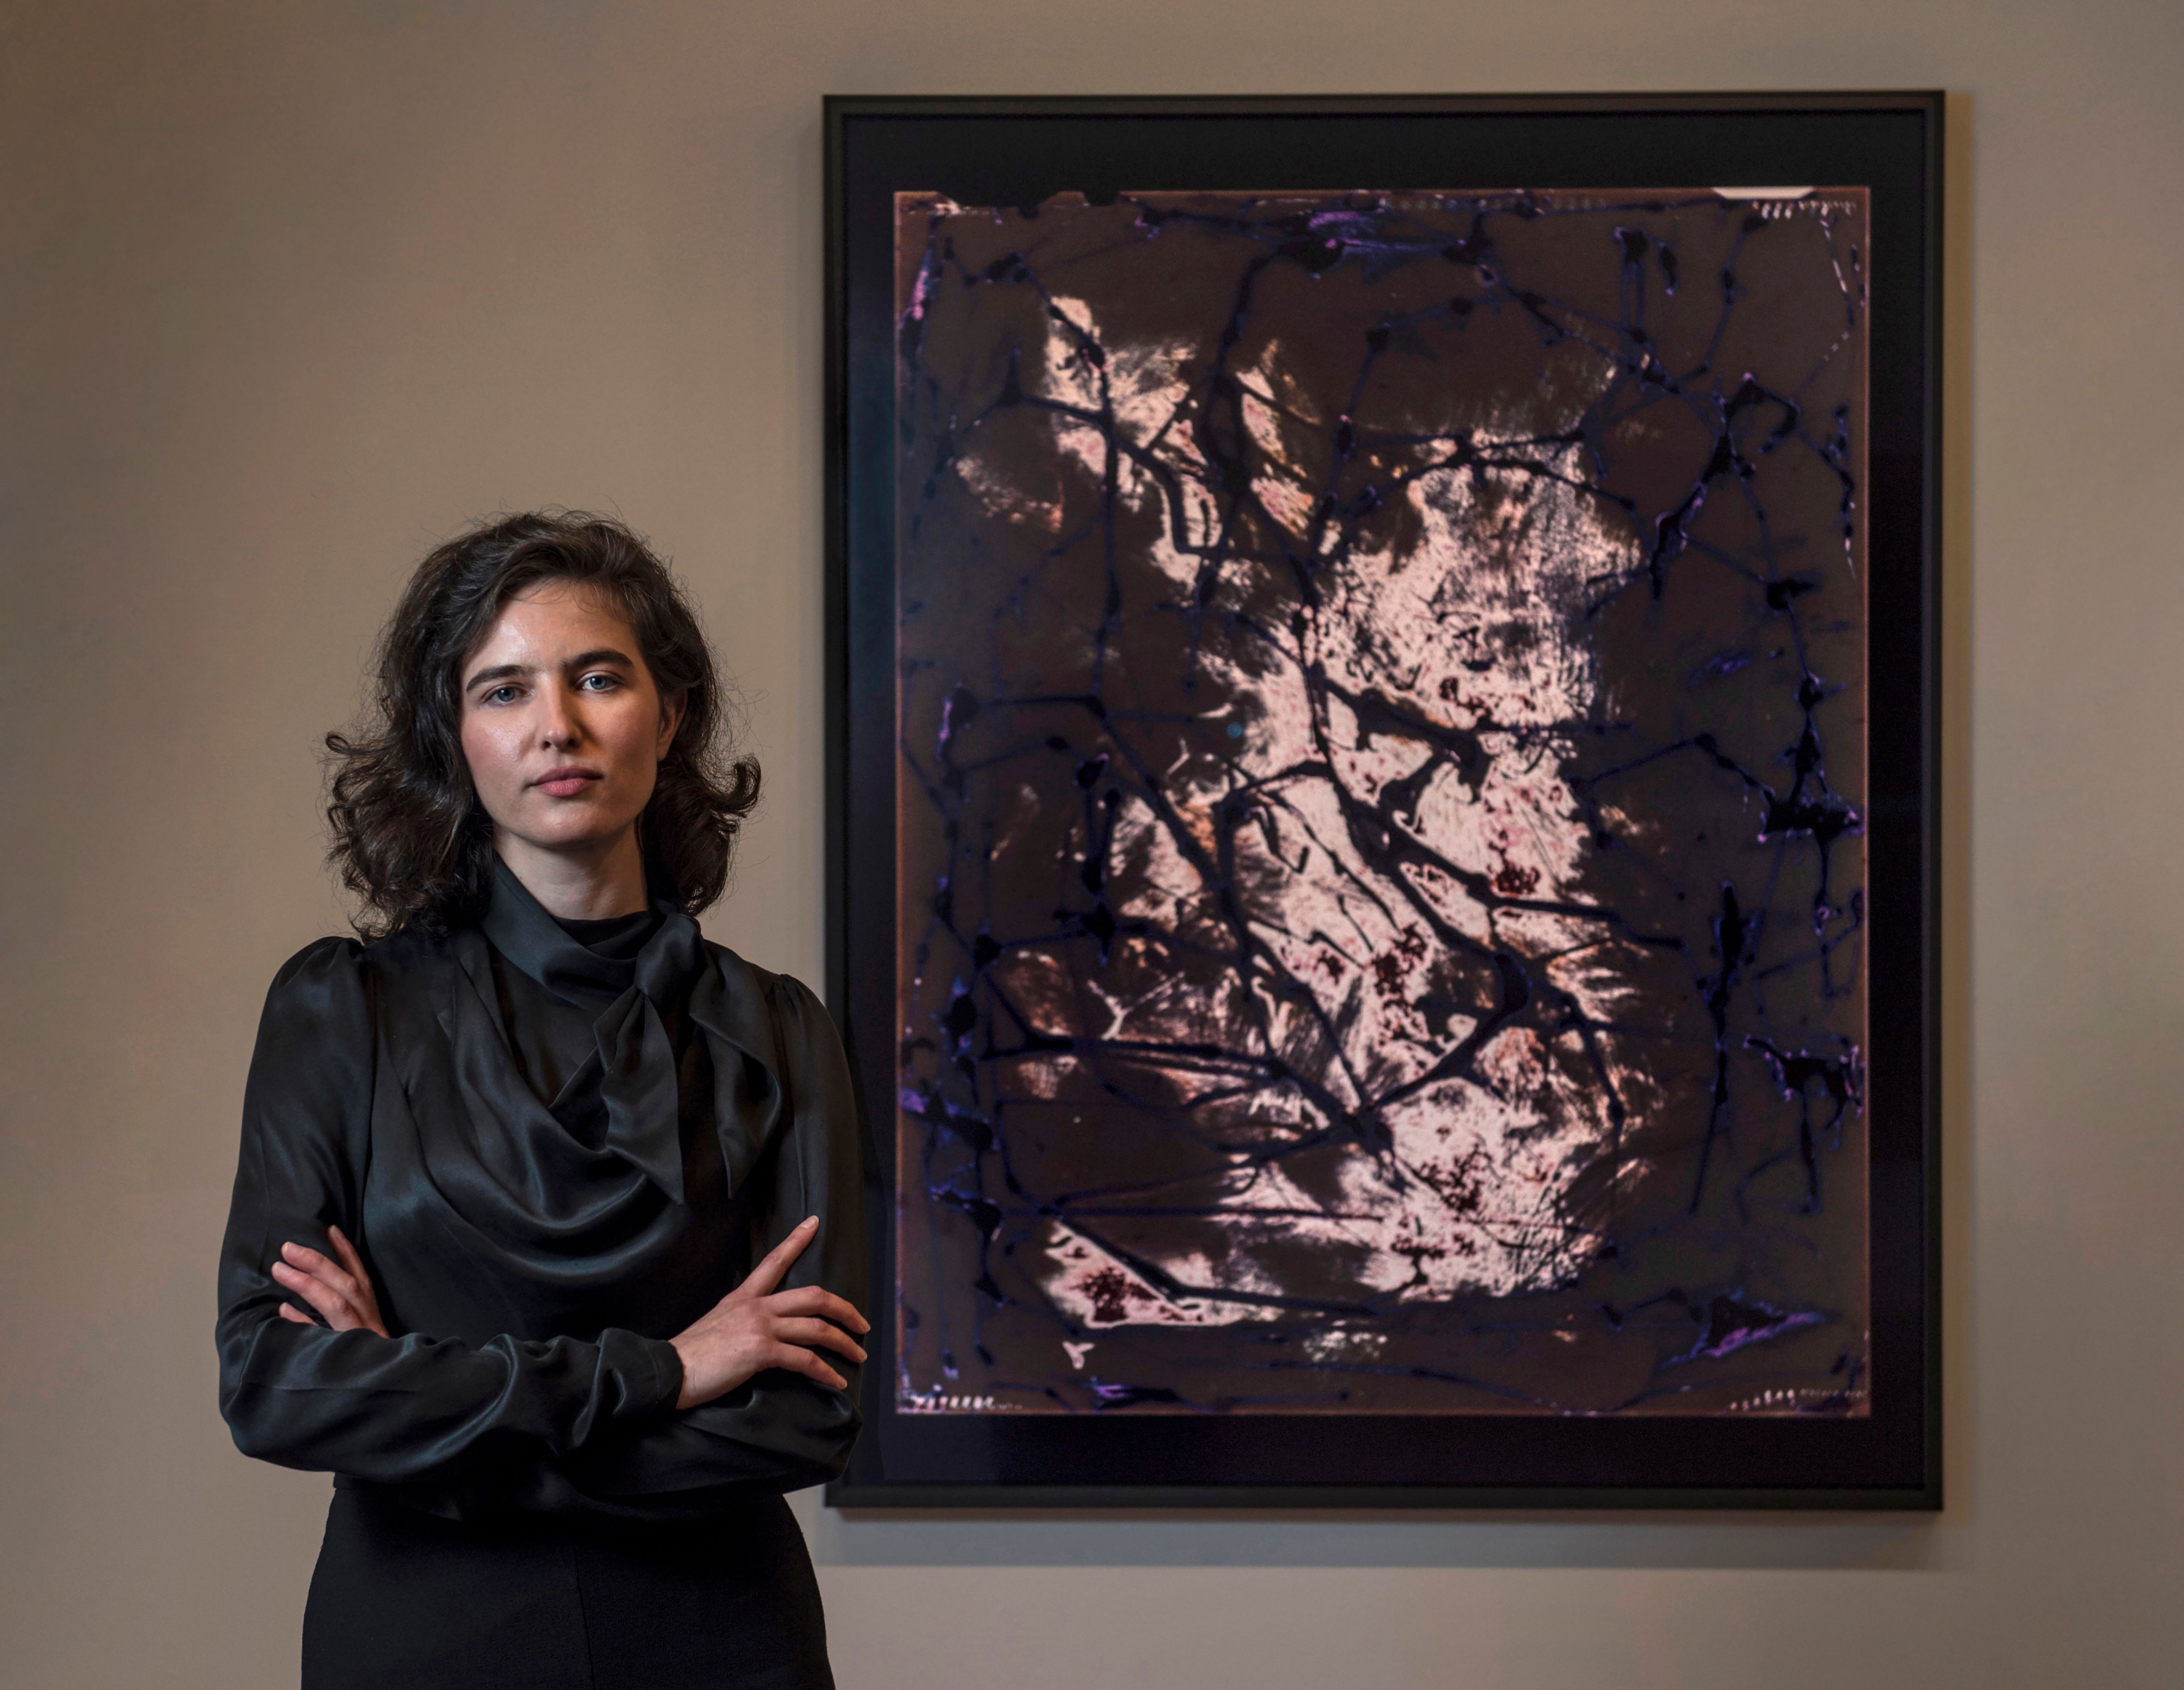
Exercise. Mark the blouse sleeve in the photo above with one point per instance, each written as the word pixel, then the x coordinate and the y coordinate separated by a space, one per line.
pixel 385 1409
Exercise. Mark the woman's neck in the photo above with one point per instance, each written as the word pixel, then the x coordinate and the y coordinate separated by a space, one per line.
pixel 579 885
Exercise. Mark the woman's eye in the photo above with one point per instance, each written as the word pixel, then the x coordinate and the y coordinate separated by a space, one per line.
pixel 607 682
pixel 500 695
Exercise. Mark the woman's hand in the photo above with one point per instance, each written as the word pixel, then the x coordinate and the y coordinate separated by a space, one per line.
pixel 342 1291
pixel 754 1327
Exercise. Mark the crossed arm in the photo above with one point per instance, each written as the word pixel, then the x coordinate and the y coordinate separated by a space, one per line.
pixel 753 1328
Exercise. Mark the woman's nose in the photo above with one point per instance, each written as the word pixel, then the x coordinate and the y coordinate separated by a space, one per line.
pixel 557 722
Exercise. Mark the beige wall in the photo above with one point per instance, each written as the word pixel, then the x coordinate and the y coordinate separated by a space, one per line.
pixel 289 290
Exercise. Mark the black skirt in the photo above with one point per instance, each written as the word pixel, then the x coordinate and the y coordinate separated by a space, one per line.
pixel 405 1599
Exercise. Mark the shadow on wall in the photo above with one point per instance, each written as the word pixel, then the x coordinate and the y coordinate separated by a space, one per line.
pixel 1119 1538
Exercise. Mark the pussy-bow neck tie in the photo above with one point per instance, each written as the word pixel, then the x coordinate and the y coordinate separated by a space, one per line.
pixel 639 1074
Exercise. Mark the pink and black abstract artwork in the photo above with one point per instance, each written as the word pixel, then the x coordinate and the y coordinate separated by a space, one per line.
pixel 1380 838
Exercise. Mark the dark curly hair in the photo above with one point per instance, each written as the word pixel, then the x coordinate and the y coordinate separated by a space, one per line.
pixel 410 838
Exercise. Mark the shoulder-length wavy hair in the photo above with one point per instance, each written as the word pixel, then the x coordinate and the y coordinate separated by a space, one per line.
pixel 410 838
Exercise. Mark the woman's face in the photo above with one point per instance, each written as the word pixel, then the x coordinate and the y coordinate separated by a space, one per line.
pixel 562 726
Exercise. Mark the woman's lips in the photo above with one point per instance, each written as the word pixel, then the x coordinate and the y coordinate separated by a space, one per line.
pixel 565 783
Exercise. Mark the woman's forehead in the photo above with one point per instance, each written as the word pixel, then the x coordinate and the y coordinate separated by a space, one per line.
pixel 558 615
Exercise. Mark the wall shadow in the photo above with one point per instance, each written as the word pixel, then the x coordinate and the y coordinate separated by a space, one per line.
pixel 1122 1538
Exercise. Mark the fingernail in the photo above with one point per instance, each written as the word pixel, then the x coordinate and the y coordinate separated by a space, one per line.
pixel 809 1220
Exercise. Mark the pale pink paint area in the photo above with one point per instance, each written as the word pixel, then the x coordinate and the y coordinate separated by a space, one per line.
pixel 1097 1291
pixel 1470 1196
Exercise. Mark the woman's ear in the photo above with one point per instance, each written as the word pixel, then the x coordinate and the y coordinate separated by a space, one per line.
pixel 671 708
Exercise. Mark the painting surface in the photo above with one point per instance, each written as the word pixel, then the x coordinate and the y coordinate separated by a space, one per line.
pixel 1381 751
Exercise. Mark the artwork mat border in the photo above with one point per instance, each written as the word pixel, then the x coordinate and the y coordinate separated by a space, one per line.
pixel 857 1491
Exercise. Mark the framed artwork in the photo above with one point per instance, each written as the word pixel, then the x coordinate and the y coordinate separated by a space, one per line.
pixel 1382 691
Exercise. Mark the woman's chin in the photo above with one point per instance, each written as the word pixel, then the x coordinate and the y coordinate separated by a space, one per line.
pixel 570 837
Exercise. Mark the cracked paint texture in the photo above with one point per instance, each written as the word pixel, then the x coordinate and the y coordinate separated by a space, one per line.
pixel 1380 849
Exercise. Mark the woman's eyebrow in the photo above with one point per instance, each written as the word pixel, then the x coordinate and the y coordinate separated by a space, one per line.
pixel 503 671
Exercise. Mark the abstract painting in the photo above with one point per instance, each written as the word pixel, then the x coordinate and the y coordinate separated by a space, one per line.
pixel 1383 742
pixel 1381 703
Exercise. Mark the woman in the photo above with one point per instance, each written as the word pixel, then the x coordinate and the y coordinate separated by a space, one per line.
pixel 547 1228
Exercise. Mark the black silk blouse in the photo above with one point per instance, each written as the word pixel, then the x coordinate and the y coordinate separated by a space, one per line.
pixel 553 1155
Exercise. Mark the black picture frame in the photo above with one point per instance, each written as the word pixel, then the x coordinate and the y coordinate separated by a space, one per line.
pixel 1011 152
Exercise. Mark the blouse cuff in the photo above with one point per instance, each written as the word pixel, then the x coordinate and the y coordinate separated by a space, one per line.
pixel 650 1370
